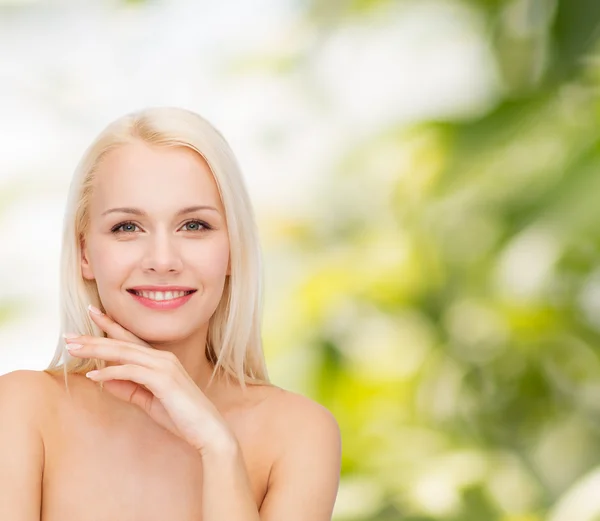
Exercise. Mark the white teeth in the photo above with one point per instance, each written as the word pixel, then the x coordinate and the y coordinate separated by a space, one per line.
pixel 161 295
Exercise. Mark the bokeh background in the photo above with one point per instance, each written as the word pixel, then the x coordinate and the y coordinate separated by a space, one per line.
pixel 426 180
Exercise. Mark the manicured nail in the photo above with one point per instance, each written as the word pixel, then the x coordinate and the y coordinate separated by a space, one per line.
pixel 71 347
pixel 70 335
pixel 91 374
pixel 95 310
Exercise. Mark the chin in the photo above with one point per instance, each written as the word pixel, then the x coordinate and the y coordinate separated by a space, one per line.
pixel 169 333
pixel 156 334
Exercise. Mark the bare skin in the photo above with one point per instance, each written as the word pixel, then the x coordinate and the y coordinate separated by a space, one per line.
pixel 93 457
pixel 156 219
pixel 105 459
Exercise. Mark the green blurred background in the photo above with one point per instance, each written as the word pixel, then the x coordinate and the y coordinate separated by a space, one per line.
pixel 441 295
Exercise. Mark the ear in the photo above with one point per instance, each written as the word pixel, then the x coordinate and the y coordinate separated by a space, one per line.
pixel 86 267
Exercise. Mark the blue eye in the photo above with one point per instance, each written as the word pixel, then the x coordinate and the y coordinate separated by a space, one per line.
pixel 199 226
pixel 129 227
pixel 116 229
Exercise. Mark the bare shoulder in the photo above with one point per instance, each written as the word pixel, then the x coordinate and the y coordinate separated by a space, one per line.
pixel 27 392
pixel 25 385
pixel 297 407
pixel 22 451
pixel 305 473
pixel 296 416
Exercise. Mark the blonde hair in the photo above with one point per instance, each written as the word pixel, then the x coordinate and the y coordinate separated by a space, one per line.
pixel 234 344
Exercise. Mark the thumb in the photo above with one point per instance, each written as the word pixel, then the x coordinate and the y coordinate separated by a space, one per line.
pixel 130 392
pixel 138 395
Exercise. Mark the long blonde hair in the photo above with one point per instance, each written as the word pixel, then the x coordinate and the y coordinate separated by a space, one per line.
pixel 234 344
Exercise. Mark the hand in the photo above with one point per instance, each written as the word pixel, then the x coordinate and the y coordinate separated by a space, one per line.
pixel 156 382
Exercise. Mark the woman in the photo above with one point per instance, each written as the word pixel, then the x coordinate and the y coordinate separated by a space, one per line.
pixel 161 408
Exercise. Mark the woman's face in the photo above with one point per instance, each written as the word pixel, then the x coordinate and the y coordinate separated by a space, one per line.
pixel 139 237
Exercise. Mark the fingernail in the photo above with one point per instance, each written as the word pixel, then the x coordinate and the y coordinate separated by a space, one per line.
pixel 95 310
pixel 70 335
pixel 71 347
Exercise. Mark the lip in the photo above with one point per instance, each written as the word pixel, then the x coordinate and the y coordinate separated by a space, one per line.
pixel 162 304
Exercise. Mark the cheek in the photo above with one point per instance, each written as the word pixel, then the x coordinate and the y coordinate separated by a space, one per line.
pixel 110 264
pixel 212 262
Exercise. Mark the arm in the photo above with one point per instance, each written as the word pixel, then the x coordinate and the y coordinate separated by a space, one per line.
pixel 21 447
pixel 226 490
pixel 304 478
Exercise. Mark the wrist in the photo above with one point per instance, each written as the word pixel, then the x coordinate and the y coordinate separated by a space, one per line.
pixel 225 446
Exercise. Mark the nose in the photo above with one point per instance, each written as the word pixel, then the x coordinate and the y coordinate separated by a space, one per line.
pixel 162 254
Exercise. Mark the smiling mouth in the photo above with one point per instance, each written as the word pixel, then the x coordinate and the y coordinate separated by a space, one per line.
pixel 160 296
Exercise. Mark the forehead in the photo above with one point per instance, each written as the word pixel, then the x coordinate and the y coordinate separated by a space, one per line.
pixel 151 177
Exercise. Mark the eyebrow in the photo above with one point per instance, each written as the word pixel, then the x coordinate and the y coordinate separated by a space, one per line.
pixel 137 211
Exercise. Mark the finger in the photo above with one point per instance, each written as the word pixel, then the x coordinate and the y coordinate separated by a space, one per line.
pixel 152 380
pixel 114 329
pixel 159 354
pixel 111 351
pixel 130 392
pixel 105 341
pixel 137 395
pixel 129 372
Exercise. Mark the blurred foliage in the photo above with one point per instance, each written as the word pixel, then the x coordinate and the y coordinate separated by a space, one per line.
pixel 448 307
pixel 451 302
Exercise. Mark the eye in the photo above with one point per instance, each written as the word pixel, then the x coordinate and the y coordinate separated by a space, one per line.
pixel 127 227
pixel 197 226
